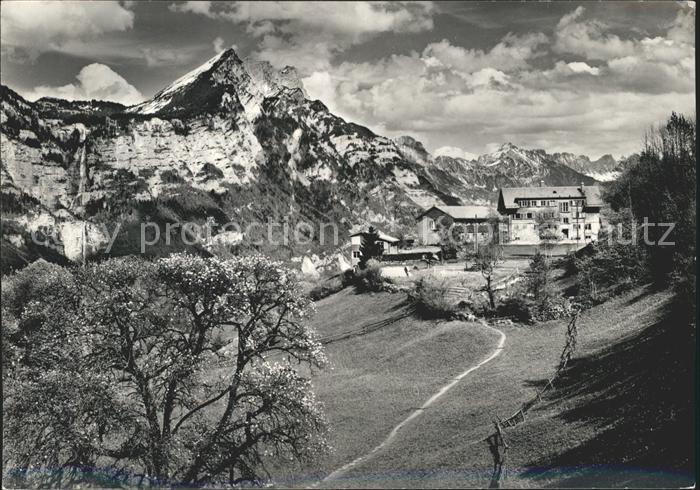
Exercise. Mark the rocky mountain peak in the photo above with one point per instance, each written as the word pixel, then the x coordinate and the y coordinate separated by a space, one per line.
pixel 270 80
pixel 603 169
pixel 507 146
pixel 246 81
pixel 412 149
pixel 608 160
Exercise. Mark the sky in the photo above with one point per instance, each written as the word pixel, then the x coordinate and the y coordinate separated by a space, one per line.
pixel 463 78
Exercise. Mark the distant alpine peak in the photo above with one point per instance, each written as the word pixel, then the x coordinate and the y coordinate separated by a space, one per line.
pixel 508 146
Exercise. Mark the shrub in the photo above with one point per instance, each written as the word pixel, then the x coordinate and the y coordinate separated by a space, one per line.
pixel 551 308
pixel 516 307
pixel 370 278
pixel 347 277
pixel 609 268
pixel 326 288
pixel 430 299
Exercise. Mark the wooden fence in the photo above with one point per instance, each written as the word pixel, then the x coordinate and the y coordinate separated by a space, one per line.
pixel 370 327
pixel 496 440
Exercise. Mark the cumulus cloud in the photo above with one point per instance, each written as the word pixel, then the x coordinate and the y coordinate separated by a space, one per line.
pixel 593 40
pixel 167 56
pixel 600 103
pixel 321 85
pixel 202 7
pixel 31 28
pixel 510 53
pixel 588 38
pixel 683 28
pixel 95 81
pixel 218 45
pixel 582 67
pixel 309 34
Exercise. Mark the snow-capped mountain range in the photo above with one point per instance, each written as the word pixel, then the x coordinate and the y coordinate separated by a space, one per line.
pixel 233 140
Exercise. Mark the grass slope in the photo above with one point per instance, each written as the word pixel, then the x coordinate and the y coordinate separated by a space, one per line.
pixel 377 379
pixel 621 412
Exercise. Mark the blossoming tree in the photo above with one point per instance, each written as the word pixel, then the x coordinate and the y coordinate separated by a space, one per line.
pixel 183 370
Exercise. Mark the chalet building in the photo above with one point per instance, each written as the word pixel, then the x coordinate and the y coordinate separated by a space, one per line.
pixel 570 213
pixel 429 221
pixel 390 245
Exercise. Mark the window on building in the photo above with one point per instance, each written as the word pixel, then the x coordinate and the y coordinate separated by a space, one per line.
pixel 356 254
pixel 564 207
pixel 518 216
pixel 565 221
pixel 431 223
pixel 543 203
pixel 529 215
pixel 588 226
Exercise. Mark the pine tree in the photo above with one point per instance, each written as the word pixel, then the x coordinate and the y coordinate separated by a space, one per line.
pixel 370 248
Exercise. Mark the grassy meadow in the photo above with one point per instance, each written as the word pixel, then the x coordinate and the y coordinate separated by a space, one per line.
pixel 602 410
pixel 376 380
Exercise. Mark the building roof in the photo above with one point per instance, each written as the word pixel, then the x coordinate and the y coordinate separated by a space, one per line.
pixel 429 249
pixel 508 195
pixel 461 212
pixel 382 236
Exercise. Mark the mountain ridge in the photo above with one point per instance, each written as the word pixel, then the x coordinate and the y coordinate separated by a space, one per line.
pixel 231 140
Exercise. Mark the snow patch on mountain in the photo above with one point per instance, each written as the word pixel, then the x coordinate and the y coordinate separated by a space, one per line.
pixel 605 176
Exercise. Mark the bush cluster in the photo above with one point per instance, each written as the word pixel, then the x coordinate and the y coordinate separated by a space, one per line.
pixel 552 308
pixel 331 286
pixel 526 310
pixel 370 278
pixel 516 307
pixel 429 299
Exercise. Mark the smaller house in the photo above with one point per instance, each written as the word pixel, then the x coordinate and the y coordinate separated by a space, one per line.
pixel 390 245
pixel 430 220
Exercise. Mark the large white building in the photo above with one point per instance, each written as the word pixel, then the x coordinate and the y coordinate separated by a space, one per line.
pixel 571 213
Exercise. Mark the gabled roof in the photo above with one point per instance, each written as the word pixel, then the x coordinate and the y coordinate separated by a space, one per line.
pixel 461 212
pixel 591 194
pixel 382 236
